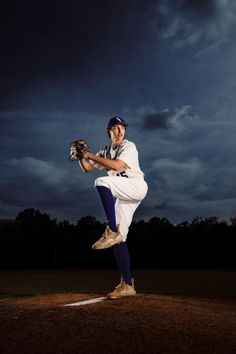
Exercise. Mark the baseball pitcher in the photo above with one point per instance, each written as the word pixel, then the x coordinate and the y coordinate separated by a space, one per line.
pixel 120 192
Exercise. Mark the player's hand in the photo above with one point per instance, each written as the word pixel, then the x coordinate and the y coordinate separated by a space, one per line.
pixel 86 155
pixel 78 149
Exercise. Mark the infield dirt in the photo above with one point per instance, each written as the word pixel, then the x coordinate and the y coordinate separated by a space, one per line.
pixel 147 323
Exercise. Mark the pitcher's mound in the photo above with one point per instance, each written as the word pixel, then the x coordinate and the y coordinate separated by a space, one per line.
pixel 146 323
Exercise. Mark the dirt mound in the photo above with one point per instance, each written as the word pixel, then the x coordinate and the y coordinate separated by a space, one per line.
pixel 142 324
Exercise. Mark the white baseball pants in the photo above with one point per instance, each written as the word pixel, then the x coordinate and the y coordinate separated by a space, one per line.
pixel 129 192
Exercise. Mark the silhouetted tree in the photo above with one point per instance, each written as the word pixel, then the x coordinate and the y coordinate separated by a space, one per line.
pixel 33 239
pixel 233 221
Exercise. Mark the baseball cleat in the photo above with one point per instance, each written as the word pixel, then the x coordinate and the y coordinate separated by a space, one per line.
pixel 108 239
pixel 122 290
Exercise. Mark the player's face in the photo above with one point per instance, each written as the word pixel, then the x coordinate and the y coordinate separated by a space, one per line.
pixel 117 134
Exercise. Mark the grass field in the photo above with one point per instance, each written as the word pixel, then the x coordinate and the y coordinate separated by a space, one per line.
pixel 175 311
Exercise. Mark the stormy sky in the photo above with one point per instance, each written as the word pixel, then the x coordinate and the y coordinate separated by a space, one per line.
pixel 167 67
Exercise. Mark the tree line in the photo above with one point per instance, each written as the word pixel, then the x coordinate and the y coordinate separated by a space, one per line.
pixel 33 239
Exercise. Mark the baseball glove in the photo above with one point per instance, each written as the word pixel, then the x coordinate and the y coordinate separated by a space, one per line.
pixel 78 148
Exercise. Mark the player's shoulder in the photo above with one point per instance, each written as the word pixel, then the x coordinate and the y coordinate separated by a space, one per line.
pixel 128 143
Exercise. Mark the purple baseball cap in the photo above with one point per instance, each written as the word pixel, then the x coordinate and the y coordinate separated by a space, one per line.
pixel 116 120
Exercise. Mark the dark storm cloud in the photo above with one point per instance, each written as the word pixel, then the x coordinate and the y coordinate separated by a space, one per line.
pixel 61 192
pixel 173 120
pixel 163 206
pixel 46 135
pixel 61 42
pixel 157 120
pixel 191 21
pixel 35 170
pixel 190 175
pixel 201 9
pixel 67 67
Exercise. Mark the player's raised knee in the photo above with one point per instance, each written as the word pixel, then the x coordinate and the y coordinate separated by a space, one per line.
pixel 100 182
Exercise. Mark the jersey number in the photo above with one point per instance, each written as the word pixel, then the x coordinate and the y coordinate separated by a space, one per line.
pixel 122 174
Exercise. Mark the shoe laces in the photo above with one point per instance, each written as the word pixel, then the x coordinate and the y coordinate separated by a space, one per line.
pixel 105 233
pixel 120 284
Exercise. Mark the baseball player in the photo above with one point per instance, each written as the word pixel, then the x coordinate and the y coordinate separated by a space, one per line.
pixel 120 192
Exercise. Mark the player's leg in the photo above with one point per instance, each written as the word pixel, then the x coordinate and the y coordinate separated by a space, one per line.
pixel 126 286
pixel 111 236
pixel 124 215
pixel 126 189
pixel 108 202
pixel 123 261
pixel 129 194
pixel 120 250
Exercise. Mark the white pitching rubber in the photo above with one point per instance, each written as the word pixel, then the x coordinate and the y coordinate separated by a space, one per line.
pixel 86 302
